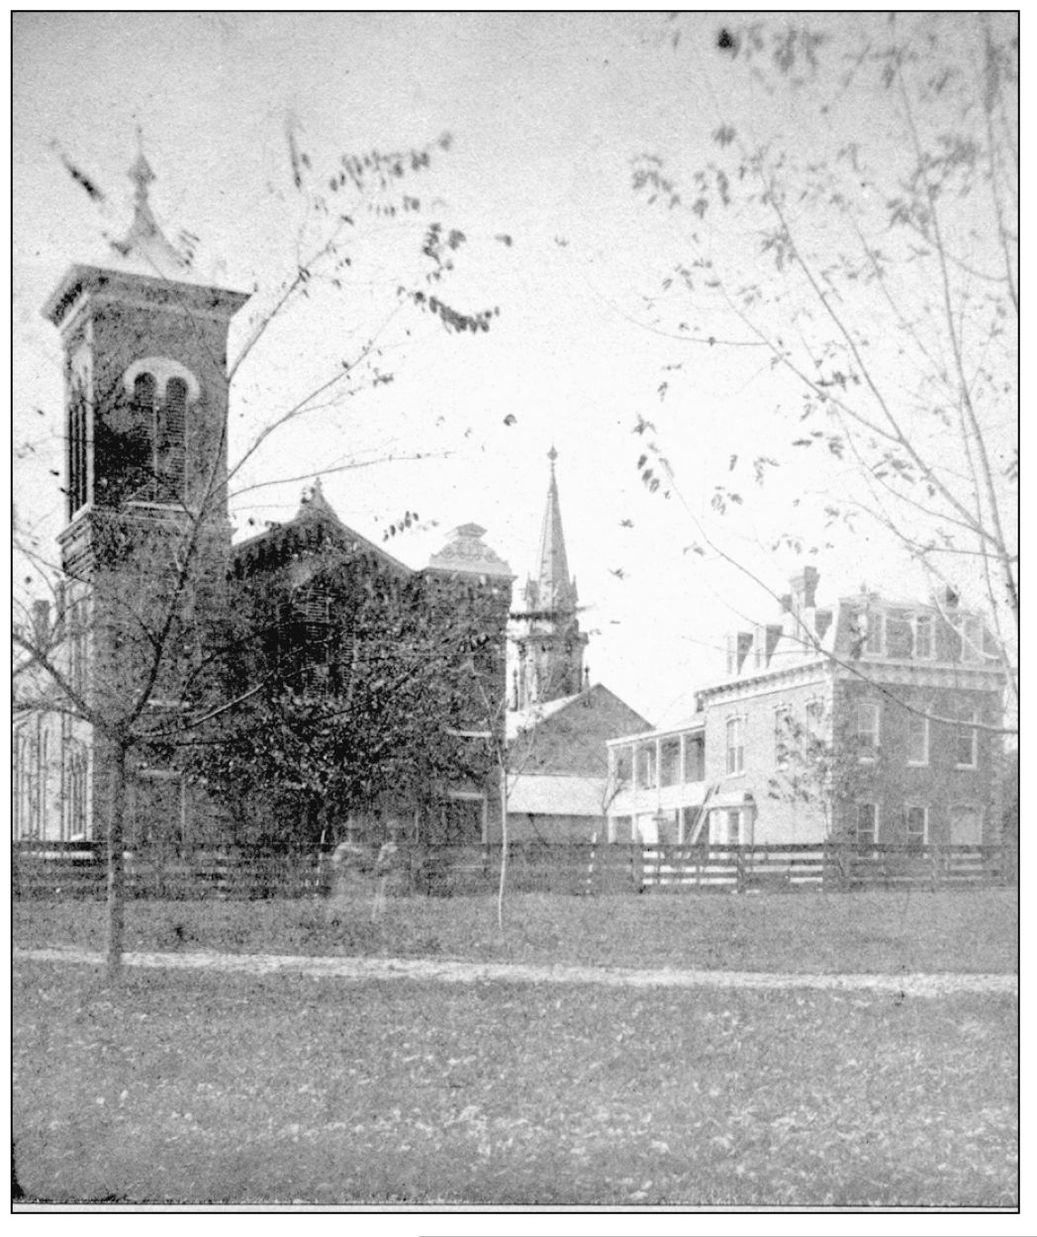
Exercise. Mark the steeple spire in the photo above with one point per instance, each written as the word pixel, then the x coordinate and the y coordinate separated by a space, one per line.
pixel 553 591
pixel 550 644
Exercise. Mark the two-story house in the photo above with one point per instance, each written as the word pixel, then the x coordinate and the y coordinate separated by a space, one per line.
pixel 871 720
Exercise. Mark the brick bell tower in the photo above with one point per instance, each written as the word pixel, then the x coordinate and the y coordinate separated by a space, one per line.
pixel 147 532
pixel 549 642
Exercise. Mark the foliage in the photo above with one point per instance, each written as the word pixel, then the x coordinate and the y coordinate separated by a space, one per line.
pixel 500 1094
pixel 819 766
pixel 872 261
pixel 362 710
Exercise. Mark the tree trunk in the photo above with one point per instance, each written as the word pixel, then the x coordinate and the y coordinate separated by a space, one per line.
pixel 115 929
pixel 504 845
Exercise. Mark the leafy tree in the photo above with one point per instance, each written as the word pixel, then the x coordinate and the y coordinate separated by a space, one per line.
pixel 362 709
pixel 857 226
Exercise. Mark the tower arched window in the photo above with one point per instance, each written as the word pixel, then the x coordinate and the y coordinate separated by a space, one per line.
pixel 171 441
pixel 156 449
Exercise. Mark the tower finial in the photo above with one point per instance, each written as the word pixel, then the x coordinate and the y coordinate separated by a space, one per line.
pixel 141 175
pixel 552 455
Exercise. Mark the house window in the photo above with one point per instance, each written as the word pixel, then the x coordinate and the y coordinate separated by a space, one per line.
pixel 735 745
pixel 783 735
pixel 917 739
pixel 867 729
pixel 865 828
pixel 924 637
pixel 916 826
pixel 815 711
pixel 873 633
pixel 971 638
pixel 899 634
pixel 965 738
pixel 725 827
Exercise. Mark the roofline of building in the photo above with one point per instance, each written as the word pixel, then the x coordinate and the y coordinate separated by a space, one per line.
pixel 84 277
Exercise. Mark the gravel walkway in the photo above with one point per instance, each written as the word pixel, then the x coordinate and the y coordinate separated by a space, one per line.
pixel 356 969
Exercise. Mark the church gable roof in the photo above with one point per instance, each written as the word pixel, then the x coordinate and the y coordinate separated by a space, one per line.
pixel 314 527
pixel 569 735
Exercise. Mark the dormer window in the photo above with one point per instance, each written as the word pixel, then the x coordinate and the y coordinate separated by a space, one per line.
pixel 873 633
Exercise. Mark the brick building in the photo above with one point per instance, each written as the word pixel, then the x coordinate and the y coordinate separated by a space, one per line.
pixel 872 720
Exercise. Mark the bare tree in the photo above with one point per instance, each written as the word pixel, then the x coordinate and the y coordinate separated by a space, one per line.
pixel 872 263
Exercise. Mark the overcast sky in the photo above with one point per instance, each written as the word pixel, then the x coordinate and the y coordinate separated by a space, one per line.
pixel 546 113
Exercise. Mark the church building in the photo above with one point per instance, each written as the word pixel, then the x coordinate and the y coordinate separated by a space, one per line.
pixel 558 723
pixel 151 585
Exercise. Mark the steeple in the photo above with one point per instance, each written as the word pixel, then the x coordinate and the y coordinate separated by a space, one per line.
pixel 550 644
pixel 553 592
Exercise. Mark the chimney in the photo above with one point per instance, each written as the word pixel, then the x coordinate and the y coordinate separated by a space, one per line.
pixel 41 623
pixel 822 622
pixel 786 603
pixel 804 589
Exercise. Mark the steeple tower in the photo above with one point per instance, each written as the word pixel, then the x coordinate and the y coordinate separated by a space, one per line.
pixel 550 643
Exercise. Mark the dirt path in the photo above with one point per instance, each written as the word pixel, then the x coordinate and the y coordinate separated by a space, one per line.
pixel 474 972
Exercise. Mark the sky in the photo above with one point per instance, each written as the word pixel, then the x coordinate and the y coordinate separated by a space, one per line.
pixel 545 113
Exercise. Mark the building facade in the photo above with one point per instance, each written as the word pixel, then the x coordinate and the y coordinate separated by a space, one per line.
pixel 873 721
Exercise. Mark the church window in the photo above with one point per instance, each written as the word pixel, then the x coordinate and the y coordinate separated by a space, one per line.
pixel 78 485
pixel 161 432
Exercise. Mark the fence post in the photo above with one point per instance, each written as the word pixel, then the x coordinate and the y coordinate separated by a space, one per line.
pixel 740 869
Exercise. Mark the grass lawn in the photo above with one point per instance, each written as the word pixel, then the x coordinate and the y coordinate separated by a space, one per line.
pixel 199 1088
pixel 890 932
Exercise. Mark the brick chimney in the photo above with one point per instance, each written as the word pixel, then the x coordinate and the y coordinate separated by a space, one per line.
pixel 804 589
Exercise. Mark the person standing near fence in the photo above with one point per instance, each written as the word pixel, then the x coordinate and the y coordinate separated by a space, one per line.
pixel 349 862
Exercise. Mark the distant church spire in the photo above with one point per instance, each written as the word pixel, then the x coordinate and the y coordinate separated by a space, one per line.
pixel 553 591
pixel 550 644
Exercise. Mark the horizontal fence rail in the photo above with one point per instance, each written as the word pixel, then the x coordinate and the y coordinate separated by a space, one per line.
pixel 78 870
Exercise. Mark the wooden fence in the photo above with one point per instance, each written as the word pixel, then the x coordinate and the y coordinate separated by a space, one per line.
pixel 77 870
pixel 830 866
